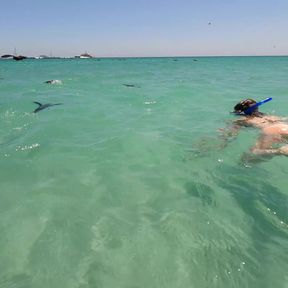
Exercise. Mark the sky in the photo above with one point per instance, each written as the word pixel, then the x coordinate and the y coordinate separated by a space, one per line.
pixel 144 28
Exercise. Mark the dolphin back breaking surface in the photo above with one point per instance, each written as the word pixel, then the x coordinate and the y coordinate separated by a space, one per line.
pixel 43 106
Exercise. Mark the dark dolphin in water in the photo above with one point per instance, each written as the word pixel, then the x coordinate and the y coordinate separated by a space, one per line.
pixel 43 106
pixel 131 85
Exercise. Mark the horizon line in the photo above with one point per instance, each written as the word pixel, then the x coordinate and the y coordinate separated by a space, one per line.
pixel 168 56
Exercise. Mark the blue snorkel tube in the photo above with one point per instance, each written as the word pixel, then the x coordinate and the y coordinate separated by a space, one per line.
pixel 250 110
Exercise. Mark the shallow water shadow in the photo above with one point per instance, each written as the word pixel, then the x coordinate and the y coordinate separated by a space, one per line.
pixel 257 197
pixel 201 191
pixel 207 145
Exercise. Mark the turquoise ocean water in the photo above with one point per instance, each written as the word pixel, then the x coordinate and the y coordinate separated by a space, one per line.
pixel 129 186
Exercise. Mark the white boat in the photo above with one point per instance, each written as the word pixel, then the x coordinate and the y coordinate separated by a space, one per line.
pixel 85 56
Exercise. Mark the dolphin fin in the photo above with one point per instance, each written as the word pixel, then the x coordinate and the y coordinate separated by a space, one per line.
pixel 37 103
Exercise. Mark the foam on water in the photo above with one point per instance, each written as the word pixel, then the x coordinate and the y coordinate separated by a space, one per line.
pixel 127 184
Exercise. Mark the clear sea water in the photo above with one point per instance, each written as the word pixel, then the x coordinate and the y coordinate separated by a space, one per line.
pixel 129 186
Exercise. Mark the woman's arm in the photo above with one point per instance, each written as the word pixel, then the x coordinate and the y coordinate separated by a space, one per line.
pixel 230 132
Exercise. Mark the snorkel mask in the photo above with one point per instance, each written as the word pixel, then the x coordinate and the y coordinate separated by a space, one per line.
pixel 248 106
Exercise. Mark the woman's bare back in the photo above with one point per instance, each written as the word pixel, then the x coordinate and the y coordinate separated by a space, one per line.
pixel 274 132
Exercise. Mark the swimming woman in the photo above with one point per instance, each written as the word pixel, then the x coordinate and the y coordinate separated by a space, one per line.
pixel 274 131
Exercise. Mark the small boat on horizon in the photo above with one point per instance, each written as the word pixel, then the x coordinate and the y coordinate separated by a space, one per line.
pixel 84 56
pixel 20 57
pixel 15 57
pixel 7 56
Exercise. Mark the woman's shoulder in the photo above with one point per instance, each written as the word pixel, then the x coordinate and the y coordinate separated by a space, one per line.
pixel 243 121
pixel 273 118
pixel 264 121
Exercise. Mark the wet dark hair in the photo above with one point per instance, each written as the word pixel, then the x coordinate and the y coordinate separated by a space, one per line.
pixel 244 105
pixel 241 107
